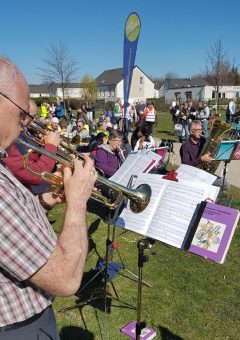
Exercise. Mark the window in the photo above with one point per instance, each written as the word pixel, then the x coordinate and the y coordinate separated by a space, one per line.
pixel 177 95
pixel 141 80
pixel 188 95
pixel 213 94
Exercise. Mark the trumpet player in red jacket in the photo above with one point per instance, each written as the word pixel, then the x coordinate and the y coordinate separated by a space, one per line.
pixel 37 162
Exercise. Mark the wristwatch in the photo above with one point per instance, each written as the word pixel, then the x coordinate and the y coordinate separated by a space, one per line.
pixel 44 204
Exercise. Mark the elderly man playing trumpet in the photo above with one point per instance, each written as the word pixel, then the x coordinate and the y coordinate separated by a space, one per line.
pixel 35 265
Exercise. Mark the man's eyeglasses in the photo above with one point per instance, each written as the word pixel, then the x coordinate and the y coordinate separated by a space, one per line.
pixel 196 130
pixel 27 116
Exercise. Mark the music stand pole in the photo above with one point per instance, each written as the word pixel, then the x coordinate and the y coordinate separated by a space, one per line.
pixel 224 174
pixel 107 252
pixel 142 245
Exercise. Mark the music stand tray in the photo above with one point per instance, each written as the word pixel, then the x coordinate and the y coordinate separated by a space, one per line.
pixel 226 150
pixel 225 153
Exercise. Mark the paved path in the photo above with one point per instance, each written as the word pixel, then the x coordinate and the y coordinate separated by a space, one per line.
pixel 233 168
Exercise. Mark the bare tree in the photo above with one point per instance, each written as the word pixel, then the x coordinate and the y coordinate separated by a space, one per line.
pixel 170 75
pixel 89 87
pixel 58 67
pixel 218 68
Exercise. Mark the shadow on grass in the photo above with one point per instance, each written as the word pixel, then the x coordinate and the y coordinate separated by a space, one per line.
pixel 97 208
pixel 167 335
pixel 165 131
pixel 73 332
pixel 52 221
pixel 93 292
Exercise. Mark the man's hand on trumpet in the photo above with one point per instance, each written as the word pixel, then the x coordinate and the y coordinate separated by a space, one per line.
pixel 52 138
pixel 78 185
pixel 206 158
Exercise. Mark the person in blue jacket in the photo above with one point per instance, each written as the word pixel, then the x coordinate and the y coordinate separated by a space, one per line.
pixel 59 110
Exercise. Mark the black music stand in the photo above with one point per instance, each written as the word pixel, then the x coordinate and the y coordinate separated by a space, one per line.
pixel 106 267
pixel 142 258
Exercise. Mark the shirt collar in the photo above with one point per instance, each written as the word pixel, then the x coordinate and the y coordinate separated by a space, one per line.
pixel 3 153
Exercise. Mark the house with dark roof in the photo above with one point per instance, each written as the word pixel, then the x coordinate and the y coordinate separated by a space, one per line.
pixel 110 85
pixel 197 89
pixel 74 90
pixel 43 90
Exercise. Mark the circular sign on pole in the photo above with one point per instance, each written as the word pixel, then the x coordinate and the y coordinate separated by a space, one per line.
pixel 133 26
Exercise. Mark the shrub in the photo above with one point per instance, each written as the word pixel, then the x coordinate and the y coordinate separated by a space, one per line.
pixel 109 105
pixel 159 104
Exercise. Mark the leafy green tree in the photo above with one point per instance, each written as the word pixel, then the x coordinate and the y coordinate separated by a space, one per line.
pixel 89 87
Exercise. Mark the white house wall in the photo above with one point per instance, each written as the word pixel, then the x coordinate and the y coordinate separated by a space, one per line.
pixel 198 93
pixel 36 95
pixel 137 91
pixel 76 92
pixel 119 90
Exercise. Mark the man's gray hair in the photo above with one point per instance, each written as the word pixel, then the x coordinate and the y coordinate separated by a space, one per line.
pixel 9 76
pixel 115 134
pixel 195 123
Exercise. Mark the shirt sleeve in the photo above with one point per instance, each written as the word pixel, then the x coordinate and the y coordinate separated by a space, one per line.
pixel 231 107
pixel 43 163
pixel 26 238
pixel 186 158
pixel 102 162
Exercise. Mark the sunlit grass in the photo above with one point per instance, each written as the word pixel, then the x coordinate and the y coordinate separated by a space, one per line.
pixel 190 298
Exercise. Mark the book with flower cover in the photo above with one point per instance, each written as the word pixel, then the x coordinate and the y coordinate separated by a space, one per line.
pixel 130 331
pixel 213 231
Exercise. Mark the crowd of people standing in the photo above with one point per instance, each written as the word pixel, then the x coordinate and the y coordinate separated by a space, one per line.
pixel 182 116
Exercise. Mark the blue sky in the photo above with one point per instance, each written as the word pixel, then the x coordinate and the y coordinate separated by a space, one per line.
pixel 175 35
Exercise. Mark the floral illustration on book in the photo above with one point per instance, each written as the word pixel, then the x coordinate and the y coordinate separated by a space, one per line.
pixel 208 235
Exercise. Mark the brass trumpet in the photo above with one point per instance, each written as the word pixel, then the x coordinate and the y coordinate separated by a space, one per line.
pixel 70 152
pixel 139 197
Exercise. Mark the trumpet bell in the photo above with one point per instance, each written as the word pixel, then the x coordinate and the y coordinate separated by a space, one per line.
pixel 76 140
pixel 141 198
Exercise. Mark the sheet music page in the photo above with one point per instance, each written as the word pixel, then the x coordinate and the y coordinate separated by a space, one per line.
pixel 175 210
pixel 135 164
pixel 191 173
pixel 139 222
pixel 130 161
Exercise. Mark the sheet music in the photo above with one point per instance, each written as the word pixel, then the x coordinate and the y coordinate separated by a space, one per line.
pixel 174 213
pixel 140 222
pixel 168 216
pixel 135 164
pixel 191 173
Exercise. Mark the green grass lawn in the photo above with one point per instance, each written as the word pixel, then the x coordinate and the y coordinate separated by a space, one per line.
pixel 190 297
